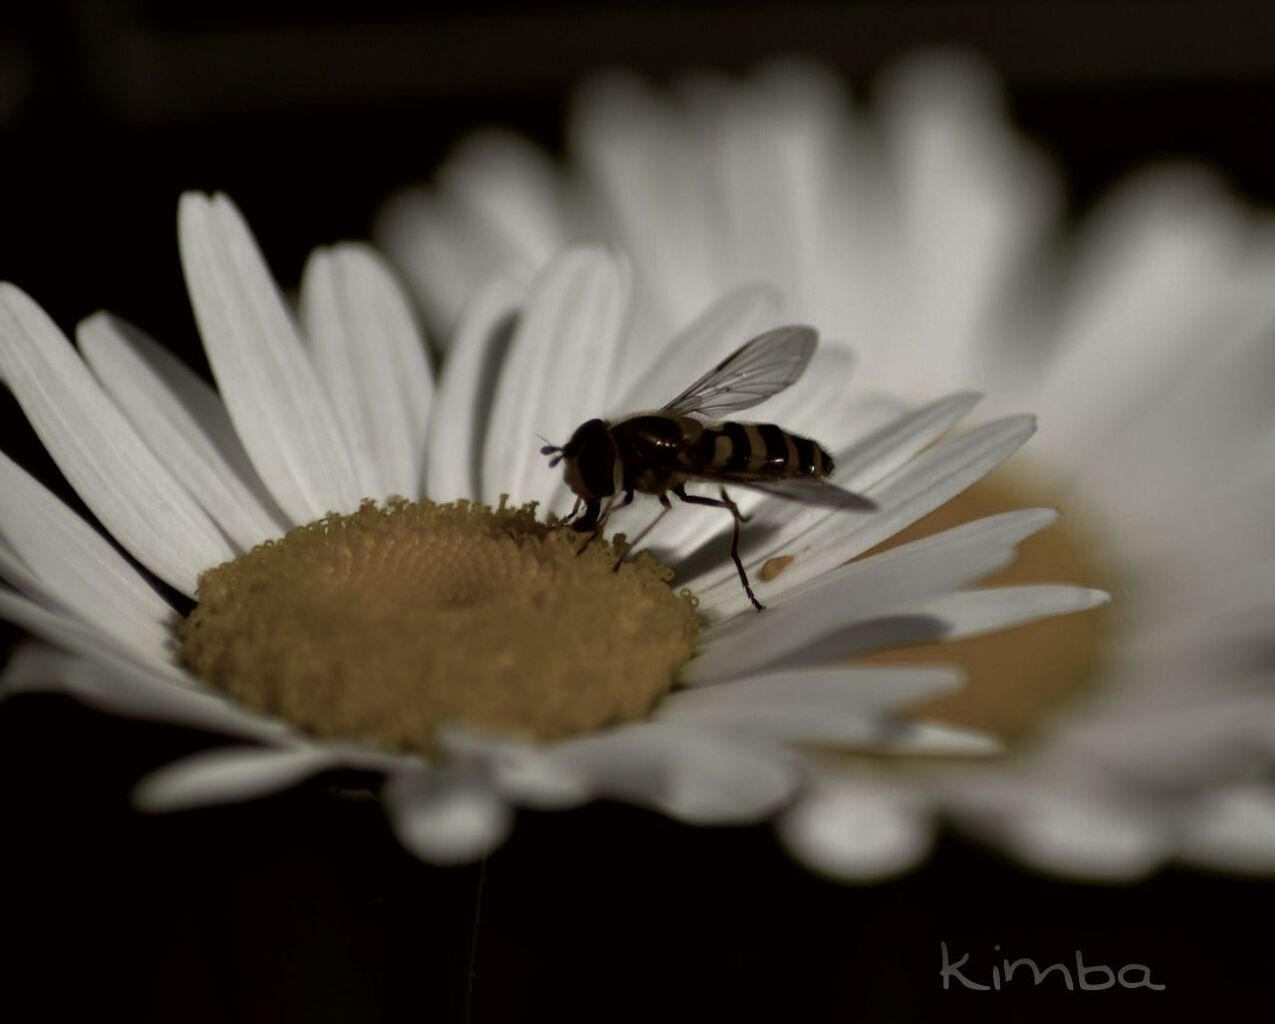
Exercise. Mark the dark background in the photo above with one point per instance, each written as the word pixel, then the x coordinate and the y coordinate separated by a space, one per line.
pixel 302 907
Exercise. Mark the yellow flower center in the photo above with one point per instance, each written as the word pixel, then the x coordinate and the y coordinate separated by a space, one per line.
pixel 1016 678
pixel 384 624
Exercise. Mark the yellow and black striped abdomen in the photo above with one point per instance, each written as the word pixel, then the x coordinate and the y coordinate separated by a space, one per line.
pixel 761 450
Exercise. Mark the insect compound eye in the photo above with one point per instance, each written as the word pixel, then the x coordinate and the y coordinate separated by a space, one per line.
pixel 594 454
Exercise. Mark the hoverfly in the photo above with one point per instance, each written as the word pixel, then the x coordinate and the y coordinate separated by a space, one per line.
pixel 658 452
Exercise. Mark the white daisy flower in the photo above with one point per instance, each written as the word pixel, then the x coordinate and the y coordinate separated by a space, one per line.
pixel 467 652
pixel 926 235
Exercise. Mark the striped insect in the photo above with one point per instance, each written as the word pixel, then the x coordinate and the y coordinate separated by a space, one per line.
pixel 607 462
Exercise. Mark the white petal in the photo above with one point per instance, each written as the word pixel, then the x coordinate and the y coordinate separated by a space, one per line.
pixel 839 599
pixel 702 554
pixel 816 406
pixel 557 371
pixel 462 410
pixel 951 617
pixel 371 359
pixel 279 408
pixel 78 568
pixel 113 680
pixel 447 815
pixel 863 464
pixel 184 423
pixel 916 489
pixel 895 444
pixel 1232 829
pixel 868 689
pixel 227 775
pixel 858 830
pixel 845 727
pixel 102 457
pixel 695 776
pixel 830 708
pixel 973 612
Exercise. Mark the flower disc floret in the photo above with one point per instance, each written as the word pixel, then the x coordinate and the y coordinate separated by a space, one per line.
pixel 386 623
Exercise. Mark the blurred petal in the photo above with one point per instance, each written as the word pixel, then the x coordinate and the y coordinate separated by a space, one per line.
pixel 446 816
pixel 114 682
pixel 517 768
pixel 1232 829
pixel 1158 257
pixel 858 830
pixel 695 776
pixel 646 168
pixel 974 201
pixel 1091 835
pixel 933 739
pixel 512 189
pixel 868 689
pixel 226 775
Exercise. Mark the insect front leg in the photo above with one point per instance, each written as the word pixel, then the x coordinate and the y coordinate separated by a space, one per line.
pixel 588 523
pixel 597 521
pixel 726 503
pixel 575 509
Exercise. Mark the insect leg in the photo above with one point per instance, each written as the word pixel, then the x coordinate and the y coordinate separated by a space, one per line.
pixel 645 530
pixel 731 505
pixel 575 509
pixel 597 522
pixel 725 502
pixel 588 522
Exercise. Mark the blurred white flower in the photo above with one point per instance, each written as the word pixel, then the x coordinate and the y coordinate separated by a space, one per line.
pixel 926 234
pixel 309 419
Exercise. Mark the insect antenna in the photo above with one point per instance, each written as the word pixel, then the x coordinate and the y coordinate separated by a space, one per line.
pixel 550 449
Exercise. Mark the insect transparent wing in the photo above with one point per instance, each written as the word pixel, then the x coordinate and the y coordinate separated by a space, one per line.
pixel 807 490
pixel 763 367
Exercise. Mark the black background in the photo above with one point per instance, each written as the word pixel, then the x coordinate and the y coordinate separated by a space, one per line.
pixel 302 907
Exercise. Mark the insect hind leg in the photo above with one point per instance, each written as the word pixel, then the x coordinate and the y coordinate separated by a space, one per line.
pixel 737 518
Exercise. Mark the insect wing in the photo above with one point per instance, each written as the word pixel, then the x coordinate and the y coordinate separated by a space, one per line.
pixel 765 366
pixel 807 490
